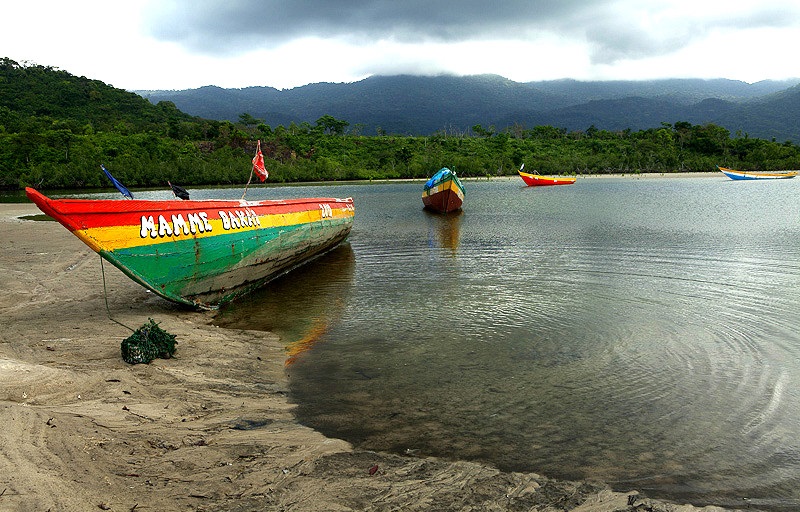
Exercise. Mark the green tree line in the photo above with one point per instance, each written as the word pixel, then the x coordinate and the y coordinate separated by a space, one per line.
pixel 57 129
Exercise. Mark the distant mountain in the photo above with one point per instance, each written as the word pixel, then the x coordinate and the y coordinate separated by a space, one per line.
pixel 774 116
pixel 419 105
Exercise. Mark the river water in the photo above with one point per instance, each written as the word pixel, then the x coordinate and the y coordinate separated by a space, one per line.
pixel 640 331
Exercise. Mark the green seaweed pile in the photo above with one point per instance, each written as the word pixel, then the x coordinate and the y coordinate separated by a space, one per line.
pixel 147 343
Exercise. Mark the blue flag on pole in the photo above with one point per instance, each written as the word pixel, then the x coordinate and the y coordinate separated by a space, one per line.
pixel 125 192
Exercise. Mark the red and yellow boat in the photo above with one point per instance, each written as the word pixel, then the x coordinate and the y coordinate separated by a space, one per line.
pixel 208 252
pixel 443 192
pixel 537 180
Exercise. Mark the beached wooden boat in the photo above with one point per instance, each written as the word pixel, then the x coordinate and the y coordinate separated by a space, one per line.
pixel 537 180
pixel 745 175
pixel 203 253
pixel 443 192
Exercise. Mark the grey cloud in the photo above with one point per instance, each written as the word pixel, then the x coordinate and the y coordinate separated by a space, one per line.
pixel 613 35
pixel 608 27
pixel 218 27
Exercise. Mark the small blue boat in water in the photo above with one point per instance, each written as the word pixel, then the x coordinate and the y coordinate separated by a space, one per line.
pixel 743 175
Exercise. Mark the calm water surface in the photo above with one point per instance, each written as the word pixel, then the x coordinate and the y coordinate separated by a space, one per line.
pixel 643 332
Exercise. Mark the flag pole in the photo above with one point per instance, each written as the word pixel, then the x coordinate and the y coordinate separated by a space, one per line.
pixel 248 184
pixel 252 169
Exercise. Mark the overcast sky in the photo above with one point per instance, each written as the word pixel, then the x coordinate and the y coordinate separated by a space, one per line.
pixel 182 44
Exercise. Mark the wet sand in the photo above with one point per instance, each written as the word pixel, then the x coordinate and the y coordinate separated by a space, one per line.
pixel 211 429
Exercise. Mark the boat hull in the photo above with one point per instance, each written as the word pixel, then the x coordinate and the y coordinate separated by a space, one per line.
pixel 537 180
pixel 744 175
pixel 204 253
pixel 443 193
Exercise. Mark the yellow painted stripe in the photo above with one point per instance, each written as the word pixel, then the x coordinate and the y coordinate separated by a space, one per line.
pixel 441 187
pixel 122 237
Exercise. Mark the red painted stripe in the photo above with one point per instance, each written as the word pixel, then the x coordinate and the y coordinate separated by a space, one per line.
pixel 105 213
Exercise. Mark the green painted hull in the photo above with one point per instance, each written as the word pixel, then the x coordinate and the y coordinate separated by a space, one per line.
pixel 208 272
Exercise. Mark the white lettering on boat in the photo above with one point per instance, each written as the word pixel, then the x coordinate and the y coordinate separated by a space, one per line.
pixel 179 225
pixel 327 211
pixel 148 227
pixel 197 223
pixel 239 219
pixel 164 229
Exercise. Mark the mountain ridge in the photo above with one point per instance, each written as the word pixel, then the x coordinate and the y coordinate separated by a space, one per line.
pixel 423 105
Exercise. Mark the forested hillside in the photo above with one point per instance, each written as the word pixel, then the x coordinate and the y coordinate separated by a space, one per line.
pixel 56 130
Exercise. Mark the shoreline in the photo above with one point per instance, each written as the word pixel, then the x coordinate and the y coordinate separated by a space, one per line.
pixel 211 429
pixel 515 177
pixel 648 175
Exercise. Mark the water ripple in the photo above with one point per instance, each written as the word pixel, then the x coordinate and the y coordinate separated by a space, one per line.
pixel 644 333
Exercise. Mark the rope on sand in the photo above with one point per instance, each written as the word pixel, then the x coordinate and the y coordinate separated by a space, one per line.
pixel 147 342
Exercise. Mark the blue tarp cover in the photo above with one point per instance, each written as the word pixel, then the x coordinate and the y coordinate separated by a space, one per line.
pixel 437 177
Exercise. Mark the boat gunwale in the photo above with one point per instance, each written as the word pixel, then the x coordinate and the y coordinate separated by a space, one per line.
pixel 71 205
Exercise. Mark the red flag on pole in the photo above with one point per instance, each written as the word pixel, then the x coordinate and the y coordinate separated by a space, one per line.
pixel 258 164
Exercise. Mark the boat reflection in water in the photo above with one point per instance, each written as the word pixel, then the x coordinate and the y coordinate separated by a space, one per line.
pixel 301 306
pixel 444 230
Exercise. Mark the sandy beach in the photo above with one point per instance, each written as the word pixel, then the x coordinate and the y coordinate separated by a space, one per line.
pixel 211 429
